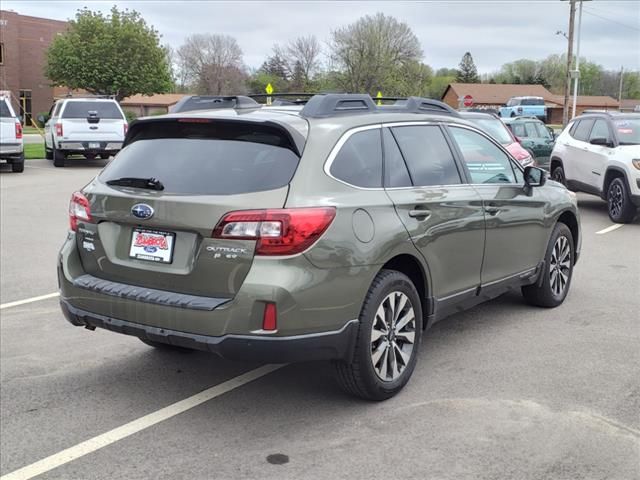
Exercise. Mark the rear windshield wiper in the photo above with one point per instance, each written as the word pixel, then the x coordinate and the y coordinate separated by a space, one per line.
pixel 149 183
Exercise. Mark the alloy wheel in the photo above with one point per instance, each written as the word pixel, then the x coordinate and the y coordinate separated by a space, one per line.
pixel 560 266
pixel 392 336
pixel 615 200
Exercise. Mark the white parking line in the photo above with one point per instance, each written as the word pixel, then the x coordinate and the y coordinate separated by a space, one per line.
pixel 112 436
pixel 613 227
pixel 28 300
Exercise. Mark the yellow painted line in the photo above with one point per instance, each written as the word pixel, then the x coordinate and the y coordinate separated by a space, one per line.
pixel 135 426
pixel 28 300
pixel 613 227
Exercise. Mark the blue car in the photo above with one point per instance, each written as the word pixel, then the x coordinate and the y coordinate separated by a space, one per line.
pixel 525 106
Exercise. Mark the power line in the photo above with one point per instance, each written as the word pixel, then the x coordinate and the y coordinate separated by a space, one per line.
pixel 589 12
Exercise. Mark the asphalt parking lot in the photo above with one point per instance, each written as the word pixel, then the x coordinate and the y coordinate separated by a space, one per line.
pixel 502 391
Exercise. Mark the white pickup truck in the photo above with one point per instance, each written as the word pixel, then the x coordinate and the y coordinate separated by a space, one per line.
pixel 92 127
pixel 11 147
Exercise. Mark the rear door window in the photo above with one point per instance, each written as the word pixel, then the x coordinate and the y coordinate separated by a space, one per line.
pixel 221 158
pixel 485 161
pixel 359 161
pixel 86 109
pixel 396 174
pixel 427 155
pixel 531 129
pixel 518 130
pixel 582 130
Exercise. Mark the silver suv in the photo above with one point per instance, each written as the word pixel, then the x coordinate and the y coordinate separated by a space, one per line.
pixel 90 127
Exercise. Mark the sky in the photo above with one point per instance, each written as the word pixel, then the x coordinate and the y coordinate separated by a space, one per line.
pixel 494 31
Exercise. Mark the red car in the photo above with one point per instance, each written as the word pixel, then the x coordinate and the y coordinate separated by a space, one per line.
pixel 499 131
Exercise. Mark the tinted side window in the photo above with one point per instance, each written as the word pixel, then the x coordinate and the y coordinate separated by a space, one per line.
pixel 427 154
pixel 600 130
pixel 359 161
pixel 581 131
pixel 531 129
pixel 4 109
pixel 485 161
pixel 395 170
pixel 518 130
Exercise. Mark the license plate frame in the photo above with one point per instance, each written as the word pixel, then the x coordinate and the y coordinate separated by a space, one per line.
pixel 143 248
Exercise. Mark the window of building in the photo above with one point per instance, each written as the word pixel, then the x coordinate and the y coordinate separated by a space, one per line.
pixel 1 53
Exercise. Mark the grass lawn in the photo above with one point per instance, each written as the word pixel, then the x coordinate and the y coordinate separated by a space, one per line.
pixel 34 151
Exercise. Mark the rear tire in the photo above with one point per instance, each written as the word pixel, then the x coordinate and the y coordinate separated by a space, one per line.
pixel 17 166
pixel 557 272
pixel 165 346
pixel 620 207
pixel 48 154
pixel 388 339
pixel 58 157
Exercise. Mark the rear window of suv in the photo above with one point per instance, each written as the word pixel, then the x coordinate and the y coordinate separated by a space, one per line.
pixel 4 110
pixel 217 158
pixel 83 109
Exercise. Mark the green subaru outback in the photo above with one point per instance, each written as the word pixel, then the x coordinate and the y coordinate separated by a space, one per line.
pixel 337 230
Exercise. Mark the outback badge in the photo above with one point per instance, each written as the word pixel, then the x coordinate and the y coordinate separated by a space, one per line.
pixel 142 211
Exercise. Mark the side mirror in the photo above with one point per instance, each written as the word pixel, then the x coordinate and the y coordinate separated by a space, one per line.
pixel 604 142
pixel 41 119
pixel 552 132
pixel 534 177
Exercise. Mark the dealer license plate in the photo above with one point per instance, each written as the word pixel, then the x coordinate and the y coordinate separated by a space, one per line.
pixel 152 245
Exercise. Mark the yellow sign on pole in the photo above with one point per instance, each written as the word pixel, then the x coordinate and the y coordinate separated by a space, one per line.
pixel 379 96
pixel 269 90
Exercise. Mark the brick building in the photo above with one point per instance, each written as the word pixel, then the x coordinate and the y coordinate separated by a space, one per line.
pixel 23 44
pixel 494 96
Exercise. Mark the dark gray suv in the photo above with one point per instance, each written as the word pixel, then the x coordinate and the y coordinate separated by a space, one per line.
pixel 339 230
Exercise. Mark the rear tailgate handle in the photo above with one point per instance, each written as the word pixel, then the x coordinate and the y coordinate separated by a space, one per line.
pixel 420 214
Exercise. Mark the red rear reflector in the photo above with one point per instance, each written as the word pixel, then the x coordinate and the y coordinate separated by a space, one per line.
pixel 284 231
pixel 270 318
pixel 59 131
pixel 18 130
pixel 79 210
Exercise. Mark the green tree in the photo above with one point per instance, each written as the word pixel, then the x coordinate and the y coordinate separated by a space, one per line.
pixel 116 54
pixel 467 71
pixel 439 84
pixel 370 52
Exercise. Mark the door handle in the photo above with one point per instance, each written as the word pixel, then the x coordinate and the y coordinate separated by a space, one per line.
pixel 421 214
pixel 492 210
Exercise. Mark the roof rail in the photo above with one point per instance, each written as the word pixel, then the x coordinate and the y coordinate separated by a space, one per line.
pixel 84 95
pixel 213 102
pixel 327 105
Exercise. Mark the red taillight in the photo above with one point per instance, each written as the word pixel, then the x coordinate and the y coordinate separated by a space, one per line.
pixel 126 128
pixel 18 130
pixel 278 231
pixel 270 317
pixel 59 131
pixel 79 210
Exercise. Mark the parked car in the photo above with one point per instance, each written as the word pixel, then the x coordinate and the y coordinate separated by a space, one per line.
pixel 600 154
pixel 11 146
pixel 494 126
pixel 534 136
pixel 92 127
pixel 525 106
pixel 340 230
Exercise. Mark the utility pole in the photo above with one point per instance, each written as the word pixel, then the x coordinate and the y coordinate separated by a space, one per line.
pixel 620 90
pixel 576 80
pixel 567 84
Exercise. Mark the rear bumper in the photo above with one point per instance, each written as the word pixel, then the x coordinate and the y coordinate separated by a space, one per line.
pixel 337 344
pixel 11 150
pixel 73 146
